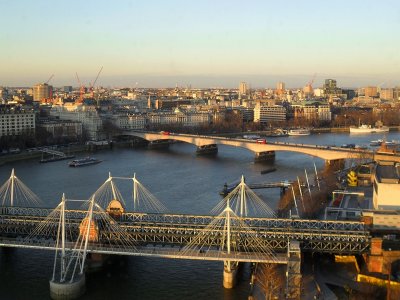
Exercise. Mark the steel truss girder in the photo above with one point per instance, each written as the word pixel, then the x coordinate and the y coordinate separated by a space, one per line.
pixel 170 229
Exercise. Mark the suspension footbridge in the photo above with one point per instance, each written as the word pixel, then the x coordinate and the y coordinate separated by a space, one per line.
pixel 241 228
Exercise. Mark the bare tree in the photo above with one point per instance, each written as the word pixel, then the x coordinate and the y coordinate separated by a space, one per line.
pixel 271 279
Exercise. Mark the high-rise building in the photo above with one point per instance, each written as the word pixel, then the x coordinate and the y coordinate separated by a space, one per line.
pixel 330 87
pixel 42 91
pixel 386 94
pixel 371 91
pixel 280 86
pixel 396 93
pixel 243 88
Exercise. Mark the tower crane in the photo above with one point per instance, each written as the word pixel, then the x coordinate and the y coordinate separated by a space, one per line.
pixel 81 89
pixel 48 80
pixel 312 79
pixel 94 82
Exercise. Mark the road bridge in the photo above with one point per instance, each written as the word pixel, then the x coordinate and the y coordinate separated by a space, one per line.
pixel 327 153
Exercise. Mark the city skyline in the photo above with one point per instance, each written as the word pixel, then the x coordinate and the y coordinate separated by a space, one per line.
pixel 200 44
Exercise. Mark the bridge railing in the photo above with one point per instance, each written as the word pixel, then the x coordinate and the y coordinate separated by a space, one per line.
pixel 329 225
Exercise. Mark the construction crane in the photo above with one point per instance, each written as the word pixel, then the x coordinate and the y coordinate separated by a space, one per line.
pixel 48 80
pixel 308 89
pixel 312 79
pixel 94 82
pixel 81 89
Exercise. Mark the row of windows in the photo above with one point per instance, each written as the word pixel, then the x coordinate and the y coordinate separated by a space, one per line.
pixel 16 117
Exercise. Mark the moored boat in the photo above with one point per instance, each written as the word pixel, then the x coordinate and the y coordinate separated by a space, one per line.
pixel 368 129
pixel 387 143
pixel 298 132
pixel 84 162
pixel 277 133
pixel 376 142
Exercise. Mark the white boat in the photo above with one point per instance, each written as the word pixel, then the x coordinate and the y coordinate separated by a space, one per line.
pixel 84 162
pixel 368 129
pixel 376 142
pixel 387 143
pixel 300 131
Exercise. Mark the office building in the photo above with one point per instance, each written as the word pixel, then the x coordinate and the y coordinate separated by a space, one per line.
pixel 42 91
pixel 266 111
pixel 386 94
pixel 371 91
pixel 386 186
pixel 330 87
pixel 87 115
pixel 14 121
pixel 243 88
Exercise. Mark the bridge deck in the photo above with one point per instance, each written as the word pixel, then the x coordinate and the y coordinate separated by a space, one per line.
pixel 322 151
pixel 180 230
pixel 161 252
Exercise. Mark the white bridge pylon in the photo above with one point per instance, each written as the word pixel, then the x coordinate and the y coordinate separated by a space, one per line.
pixel 77 232
pixel 15 193
pixel 232 238
pixel 143 199
pixel 245 202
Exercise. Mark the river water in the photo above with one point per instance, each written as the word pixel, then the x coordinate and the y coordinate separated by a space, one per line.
pixel 185 183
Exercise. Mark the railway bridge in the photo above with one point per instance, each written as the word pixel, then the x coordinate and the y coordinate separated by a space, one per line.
pixel 241 228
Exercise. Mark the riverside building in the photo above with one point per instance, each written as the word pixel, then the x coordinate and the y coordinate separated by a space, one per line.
pixel 86 114
pixel 267 111
pixel 16 121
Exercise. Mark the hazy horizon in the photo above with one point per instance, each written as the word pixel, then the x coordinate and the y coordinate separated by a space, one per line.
pixel 204 44
pixel 214 81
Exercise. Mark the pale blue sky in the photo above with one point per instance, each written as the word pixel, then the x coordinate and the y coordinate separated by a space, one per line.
pixel 202 43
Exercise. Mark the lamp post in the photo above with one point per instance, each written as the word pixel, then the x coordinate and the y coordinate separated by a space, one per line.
pixel 390 271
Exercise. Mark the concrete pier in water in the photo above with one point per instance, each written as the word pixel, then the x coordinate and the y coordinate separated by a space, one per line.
pixel 230 277
pixel 68 290
pixel 265 156
pixel 207 149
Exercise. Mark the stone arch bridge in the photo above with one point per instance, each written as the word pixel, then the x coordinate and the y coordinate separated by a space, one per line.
pixel 263 148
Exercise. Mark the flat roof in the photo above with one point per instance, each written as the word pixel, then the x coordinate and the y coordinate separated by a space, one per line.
pixel 388 173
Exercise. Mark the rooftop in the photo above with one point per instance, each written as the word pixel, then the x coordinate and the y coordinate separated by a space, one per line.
pixel 388 173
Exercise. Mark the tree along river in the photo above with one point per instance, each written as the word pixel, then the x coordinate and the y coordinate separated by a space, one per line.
pixel 185 183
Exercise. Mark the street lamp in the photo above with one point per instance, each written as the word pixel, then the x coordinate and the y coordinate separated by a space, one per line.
pixel 389 273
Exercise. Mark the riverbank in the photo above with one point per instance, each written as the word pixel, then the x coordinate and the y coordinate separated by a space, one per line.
pixel 24 155
pixel 313 131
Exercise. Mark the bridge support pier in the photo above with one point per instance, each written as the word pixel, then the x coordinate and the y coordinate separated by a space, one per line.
pixel 159 144
pixel 265 156
pixel 68 290
pixel 293 272
pixel 207 149
pixel 230 275
pixel 335 164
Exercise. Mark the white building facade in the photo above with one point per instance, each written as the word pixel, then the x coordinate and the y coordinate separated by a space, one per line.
pixel 87 115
